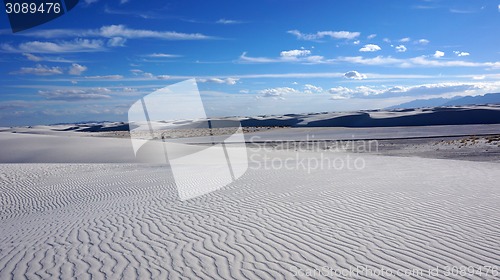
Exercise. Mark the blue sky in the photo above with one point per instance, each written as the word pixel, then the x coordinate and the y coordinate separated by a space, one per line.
pixel 250 57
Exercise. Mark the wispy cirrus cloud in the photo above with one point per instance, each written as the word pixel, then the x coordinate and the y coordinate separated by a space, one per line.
pixel 135 13
pixel 117 31
pixel 462 11
pixel 227 81
pixel 116 42
pixel 105 77
pixel 76 94
pixel 301 56
pixel 248 59
pixel 162 55
pixel 295 53
pixel 228 21
pixel 75 46
pixel 120 30
pixel 32 57
pixel 39 58
pixel 39 70
pixel 422 41
pixel 420 61
pixel 88 2
pixel 323 34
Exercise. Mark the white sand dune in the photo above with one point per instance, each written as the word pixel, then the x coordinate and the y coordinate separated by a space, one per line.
pixel 116 221
pixel 63 147
pixel 48 146
pixel 77 206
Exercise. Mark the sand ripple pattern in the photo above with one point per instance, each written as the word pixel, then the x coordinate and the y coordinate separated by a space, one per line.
pixel 119 221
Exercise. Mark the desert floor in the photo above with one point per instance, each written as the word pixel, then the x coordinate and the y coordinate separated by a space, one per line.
pixel 85 210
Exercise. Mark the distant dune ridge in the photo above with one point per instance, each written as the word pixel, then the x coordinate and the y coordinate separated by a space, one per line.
pixel 454 115
pixel 490 98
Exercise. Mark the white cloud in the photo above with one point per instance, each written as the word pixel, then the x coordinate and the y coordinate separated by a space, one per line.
pixel 128 89
pixel 228 81
pixel 423 42
pixel 438 54
pixel 228 21
pixel 277 92
pixel 148 75
pixel 387 40
pixel 431 90
pixel 39 70
pixel 309 89
pixel 322 34
pixel 248 59
pixel 36 58
pixel 314 59
pixel 32 57
pixel 405 40
pixel 420 61
pixel 295 53
pixel 286 56
pixel 370 48
pixel 116 31
pixel 354 75
pixel 339 93
pixel 76 94
pixel 423 61
pixel 401 48
pixel 162 55
pixel 163 77
pixel 439 89
pixel 499 7
pixel 120 30
pixel 136 71
pixel 457 11
pixel 357 42
pixel 77 69
pixel 105 77
pixel 117 42
pixel 78 45
pixel 371 36
pixel 458 53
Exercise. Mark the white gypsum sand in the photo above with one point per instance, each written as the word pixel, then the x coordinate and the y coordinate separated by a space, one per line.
pixel 113 221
